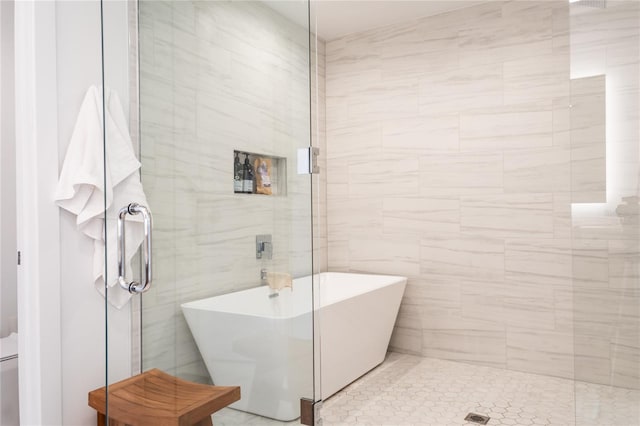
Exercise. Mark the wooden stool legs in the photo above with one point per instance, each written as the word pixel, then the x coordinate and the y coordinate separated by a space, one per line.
pixel 102 421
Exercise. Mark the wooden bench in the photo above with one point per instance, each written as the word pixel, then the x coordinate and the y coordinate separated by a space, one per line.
pixel 154 398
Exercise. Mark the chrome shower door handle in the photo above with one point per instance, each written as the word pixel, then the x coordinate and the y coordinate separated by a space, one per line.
pixel 134 286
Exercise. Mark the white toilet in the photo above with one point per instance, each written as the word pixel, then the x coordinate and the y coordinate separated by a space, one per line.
pixel 9 413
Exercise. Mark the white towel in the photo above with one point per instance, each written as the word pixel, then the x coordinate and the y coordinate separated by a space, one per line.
pixel 83 188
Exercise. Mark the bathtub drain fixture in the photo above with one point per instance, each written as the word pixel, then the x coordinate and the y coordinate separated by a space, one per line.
pixel 477 418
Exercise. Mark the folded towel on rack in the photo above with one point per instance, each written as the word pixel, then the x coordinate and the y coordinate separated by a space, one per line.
pixel 102 173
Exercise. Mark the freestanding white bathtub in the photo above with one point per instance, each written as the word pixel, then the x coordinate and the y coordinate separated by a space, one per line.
pixel 264 345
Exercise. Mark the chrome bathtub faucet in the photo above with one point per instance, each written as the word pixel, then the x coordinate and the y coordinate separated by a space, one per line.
pixel 263 281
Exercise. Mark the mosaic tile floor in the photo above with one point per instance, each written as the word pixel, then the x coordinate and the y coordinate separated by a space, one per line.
pixel 411 390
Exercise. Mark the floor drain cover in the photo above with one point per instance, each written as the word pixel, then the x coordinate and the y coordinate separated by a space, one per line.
pixel 477 418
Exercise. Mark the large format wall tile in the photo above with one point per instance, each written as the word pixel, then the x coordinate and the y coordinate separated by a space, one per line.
pixel 548 258
pixel 219 76
pixel 389 255
pixel 528 302
pixel 463 256
pixel 457 144
pixel 413 215
pixel 508 216
pixel 462 89
pixel 393 175
pixel 478 347
pixel 535 79
pixel 537 170
pixel 506 129
pixel 421 134
pixel 461 173
pixel 624 363
pixel 542 352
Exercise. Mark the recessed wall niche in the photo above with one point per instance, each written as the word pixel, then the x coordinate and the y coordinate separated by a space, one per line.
pixel 259 174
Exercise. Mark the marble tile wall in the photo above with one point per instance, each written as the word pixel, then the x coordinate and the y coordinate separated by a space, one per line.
pixel 454 158
pixel 214 77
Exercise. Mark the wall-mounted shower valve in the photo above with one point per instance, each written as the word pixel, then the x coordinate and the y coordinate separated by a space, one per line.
pixel 264 248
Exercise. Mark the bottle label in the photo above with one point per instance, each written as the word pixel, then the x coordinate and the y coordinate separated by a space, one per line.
pixel 237 184
pixel 248 186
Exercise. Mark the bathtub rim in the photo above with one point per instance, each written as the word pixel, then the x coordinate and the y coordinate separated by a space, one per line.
pixel 395 280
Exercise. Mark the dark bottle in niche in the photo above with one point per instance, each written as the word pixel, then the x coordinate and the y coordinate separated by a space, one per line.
pixel 238 175
pixel 247 186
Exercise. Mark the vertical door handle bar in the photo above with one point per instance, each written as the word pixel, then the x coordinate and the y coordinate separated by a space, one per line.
pixel 134 286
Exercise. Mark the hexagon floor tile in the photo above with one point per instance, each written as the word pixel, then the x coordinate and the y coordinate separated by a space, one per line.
pixel 411 390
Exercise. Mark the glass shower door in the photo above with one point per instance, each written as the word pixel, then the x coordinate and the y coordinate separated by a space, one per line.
pixel 220 105
pixel 605 111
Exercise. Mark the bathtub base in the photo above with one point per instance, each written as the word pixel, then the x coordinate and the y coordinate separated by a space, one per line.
pixel 265 345
pixel 270 359
pixel 355 335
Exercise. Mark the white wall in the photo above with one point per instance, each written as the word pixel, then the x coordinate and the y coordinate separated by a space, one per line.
pixel 8 270
pixel 82 308
pixel 62 318
pixel 37 216
pixel 63 325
